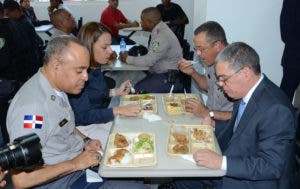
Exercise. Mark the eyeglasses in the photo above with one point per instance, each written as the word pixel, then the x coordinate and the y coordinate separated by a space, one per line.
pixel 226 78
pixel 201 49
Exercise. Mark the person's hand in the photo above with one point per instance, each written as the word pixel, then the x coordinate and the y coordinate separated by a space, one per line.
pixel 196 107
pixel 87 158
pixel 208 158
pixel 124 89
pixel 135 24
pixel 93 145
pixel 131 110
pixel 186 67
pixel 50 9
pixel 123 56
pixel 2 176
pixel 113 57
pixel 208 121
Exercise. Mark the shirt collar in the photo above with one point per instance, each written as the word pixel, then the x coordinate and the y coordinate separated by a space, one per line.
pixel 249 94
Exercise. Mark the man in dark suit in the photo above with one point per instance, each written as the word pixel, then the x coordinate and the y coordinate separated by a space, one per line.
pixel 258 142
pixel 290 35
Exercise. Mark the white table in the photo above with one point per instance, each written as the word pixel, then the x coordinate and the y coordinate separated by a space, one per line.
pixel 44 29
pixel 119 66
pixel 132 30
pixel 166 166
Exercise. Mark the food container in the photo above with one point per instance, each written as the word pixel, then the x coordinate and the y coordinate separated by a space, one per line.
pixel 175 104
pixel 187 139
pixel 131 150
pixel 147 101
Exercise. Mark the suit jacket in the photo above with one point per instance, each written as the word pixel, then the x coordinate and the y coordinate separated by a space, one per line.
pixel 260 152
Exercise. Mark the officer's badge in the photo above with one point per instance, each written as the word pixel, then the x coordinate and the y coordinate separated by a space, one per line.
pixel 2 42
pixel 155 45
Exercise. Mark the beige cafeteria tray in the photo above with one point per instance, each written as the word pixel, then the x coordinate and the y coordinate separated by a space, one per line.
pixel 131 150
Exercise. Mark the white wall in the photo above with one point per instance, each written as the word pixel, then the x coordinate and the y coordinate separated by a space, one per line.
pixel 255 22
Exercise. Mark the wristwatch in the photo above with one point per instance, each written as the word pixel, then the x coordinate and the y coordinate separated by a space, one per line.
pixel 211 114
pixel 85 139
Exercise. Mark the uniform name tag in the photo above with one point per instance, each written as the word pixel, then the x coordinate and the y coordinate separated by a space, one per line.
pixel 63 122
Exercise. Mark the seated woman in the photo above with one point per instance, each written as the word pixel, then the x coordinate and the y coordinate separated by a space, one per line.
pixel 29 12
pixel 89 106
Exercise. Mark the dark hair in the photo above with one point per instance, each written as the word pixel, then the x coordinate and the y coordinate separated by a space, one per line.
pixel 214 32
pixel 239 55
pixel 89 34
pixel 152 13
pixel 57 47
pixel 11 5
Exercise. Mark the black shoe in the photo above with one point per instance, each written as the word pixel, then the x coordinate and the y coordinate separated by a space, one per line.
pixel 167 186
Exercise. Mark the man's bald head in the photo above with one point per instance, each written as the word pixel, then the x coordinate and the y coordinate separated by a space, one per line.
pixel 63 20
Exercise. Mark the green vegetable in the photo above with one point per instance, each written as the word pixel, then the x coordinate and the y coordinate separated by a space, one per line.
pixel 144 144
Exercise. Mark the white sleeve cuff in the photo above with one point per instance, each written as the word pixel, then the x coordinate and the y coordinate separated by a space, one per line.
pixel 224 164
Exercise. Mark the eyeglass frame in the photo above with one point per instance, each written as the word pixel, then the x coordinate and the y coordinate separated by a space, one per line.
pixel 204 49
pixel 218 82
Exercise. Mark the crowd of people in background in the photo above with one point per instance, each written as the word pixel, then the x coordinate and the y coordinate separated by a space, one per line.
pixel 65 75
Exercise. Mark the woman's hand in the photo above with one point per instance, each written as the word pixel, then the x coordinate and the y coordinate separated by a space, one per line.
pixel 124 89
pixel 131 110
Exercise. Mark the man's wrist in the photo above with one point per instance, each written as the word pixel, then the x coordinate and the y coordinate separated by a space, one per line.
pixel 113 92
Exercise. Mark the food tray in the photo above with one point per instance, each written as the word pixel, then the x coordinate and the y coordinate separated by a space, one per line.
pixel 187 139
pixel 175 105
pixel 147 101
pixel 138 151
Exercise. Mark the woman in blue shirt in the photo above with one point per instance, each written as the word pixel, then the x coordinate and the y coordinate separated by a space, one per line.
pixel 89 106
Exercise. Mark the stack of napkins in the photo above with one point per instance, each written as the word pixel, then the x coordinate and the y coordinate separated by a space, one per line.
pixel 151 117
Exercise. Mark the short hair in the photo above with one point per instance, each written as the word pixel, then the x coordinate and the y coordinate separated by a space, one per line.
pixel 11 5
pixel 239 55
pixel 57 16
pixel 214 32
pixel 152 14
pixel 89 34
pixel 57 47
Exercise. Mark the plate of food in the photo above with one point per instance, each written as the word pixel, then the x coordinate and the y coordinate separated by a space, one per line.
pixel 187 139
pixel 175 104
pixel 131 150
pixel 147 101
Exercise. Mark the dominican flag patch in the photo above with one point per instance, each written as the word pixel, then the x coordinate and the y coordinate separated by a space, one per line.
pixel 33 121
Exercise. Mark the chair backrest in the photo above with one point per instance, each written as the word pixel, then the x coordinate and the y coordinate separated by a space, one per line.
pixel 79 23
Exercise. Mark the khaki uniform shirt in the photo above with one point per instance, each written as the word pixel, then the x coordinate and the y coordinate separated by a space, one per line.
pixel 57 133
pixel 216 97
pixel 164 51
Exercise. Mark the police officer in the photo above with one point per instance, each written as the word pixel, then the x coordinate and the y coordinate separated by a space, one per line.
pixel 164 52
pixel 66 152
pixel 8 66
pixel 30 43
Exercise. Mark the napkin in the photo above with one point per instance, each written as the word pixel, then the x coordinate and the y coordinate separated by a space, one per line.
pixel 151 117
pixel 92 176
pixel 188 157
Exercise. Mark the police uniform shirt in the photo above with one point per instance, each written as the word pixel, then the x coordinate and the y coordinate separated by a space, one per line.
pixel 216 97
pixel 39 101
pixel 164 51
